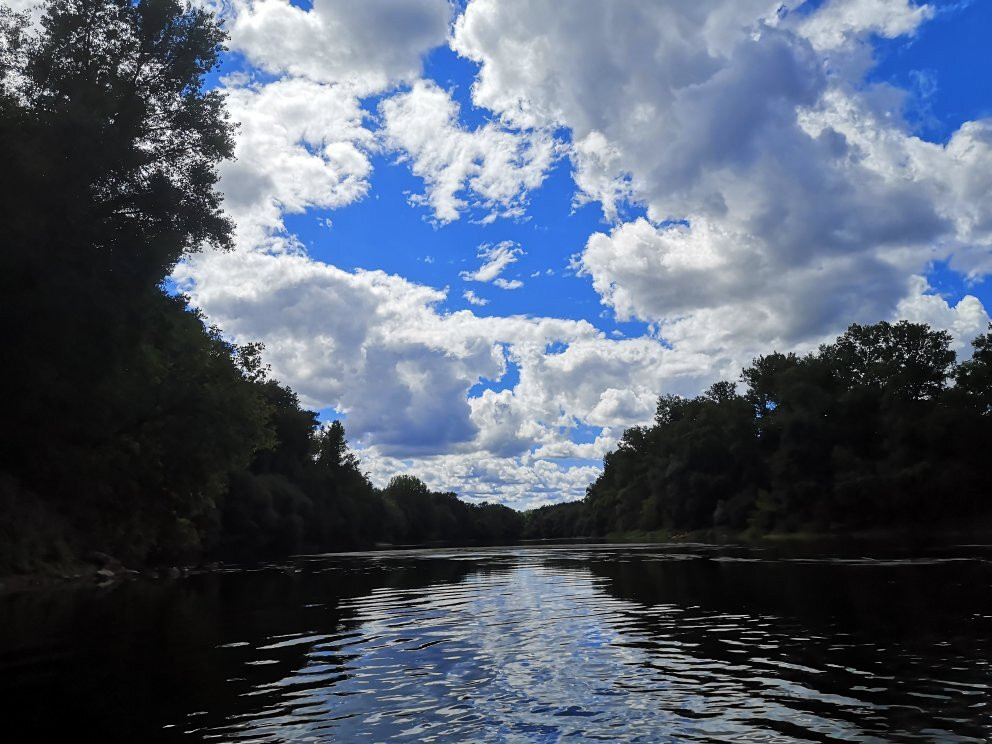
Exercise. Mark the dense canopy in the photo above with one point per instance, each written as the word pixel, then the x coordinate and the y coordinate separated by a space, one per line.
pixel 130 426
pixel 879 429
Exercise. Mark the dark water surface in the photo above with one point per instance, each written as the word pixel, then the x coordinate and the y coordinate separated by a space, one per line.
pixel 635 643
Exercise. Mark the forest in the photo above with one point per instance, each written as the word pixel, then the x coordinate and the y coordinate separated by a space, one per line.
pixel 880 429
pixel 133 428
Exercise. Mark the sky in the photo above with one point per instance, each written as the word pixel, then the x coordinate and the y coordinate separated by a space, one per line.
pixel 487 235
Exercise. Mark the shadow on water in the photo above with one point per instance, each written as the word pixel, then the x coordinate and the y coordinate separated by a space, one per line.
pixel 129 663
pixel 920 597
pixel 906 642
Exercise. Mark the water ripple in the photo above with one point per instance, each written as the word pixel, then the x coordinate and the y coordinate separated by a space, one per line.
pixel 547 647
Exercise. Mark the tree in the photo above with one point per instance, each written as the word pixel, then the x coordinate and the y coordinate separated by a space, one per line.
pixel 974 376
pixel 130 426
pixel 906 360
pixel 109 146
pixel 764 381
pixel 126 406
pixel 332 449
pixel 865 432
pixel 112 100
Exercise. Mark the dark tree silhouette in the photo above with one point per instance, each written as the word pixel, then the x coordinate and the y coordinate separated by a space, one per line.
pixel 129 426
pixel 868 432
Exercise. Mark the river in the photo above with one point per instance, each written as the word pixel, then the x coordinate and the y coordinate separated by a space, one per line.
pixel 652 643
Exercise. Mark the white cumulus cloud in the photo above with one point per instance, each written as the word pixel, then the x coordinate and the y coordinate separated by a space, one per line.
pixel 299 145
pixel 838 21
pixel 365 45
pixel 490 168
pixel 474 299
pixel 381 350
pixel 785 197
pixel 495 258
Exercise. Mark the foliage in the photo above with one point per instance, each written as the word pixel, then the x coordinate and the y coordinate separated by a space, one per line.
pixel 878 429
pixel 129 413
pixel 130 426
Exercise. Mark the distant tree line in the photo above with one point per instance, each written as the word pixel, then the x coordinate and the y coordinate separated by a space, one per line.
pixel 879 429
pixel 129 426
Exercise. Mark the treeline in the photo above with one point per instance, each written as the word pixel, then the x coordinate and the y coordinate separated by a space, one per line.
pixel 879 429
pixel 130 427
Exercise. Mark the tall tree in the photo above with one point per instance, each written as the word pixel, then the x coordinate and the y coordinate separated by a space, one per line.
pixel 125 403
pixel 974 376
pixel 904 360
pixel 865 432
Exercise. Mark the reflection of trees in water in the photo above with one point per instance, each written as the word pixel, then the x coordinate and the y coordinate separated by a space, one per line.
pixel 125 662
pixel 900 600
pixel 832 627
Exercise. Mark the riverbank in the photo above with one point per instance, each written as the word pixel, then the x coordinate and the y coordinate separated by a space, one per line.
pixel 907 535
pixel 99 570
pixel 104 571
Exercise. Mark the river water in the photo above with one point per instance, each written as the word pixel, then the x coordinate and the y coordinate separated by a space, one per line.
pixel 655 643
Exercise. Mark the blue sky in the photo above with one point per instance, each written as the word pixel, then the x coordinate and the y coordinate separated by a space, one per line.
pixel 488 235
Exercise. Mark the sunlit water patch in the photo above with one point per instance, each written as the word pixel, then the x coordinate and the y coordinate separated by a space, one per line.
pixel 653 644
